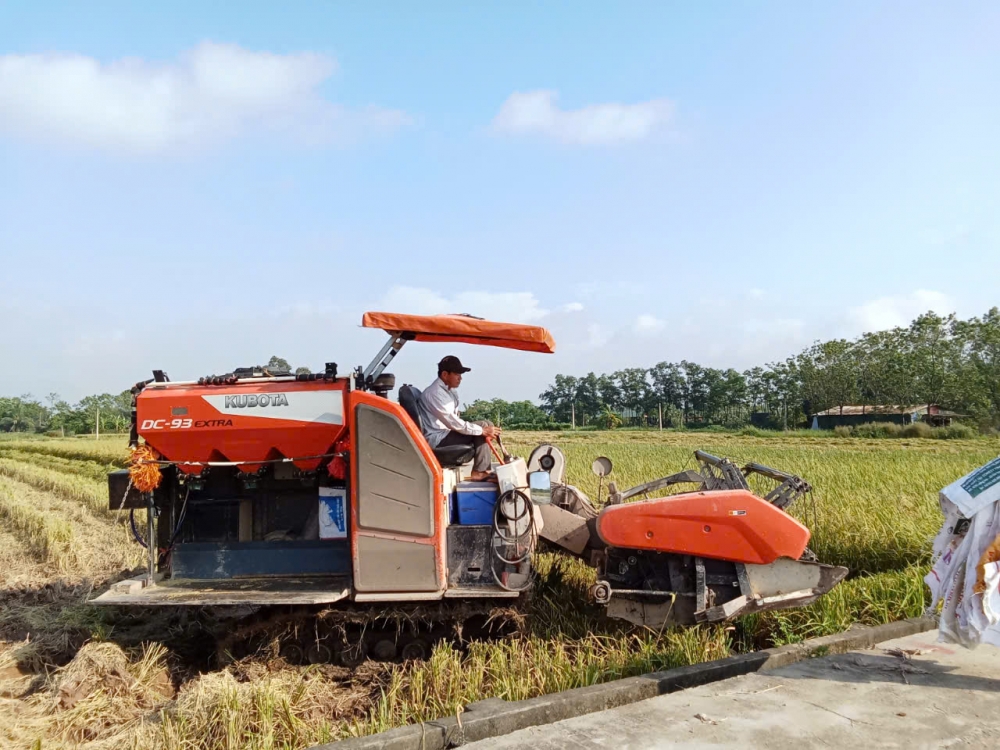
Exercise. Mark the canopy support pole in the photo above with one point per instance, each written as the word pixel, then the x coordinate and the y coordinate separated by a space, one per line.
pixel 383 358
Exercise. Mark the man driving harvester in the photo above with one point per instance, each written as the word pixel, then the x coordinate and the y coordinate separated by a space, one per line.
pixel 443 426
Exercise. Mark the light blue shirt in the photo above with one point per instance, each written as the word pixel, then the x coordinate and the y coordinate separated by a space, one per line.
pixel 438 408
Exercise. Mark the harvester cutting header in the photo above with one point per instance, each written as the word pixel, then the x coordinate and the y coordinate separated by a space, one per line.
pixel 317 493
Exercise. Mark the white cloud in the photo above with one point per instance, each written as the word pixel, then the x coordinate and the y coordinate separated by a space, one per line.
pixel 899 310
pixel 598 335
pixel 510 307
pixel 648 324
pixel 775 327
pixel 572 307
pixel 536 112
pixel 212 92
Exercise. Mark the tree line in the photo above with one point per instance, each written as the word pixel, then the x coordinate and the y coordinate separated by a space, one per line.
pixel 937 359
pixel 105 412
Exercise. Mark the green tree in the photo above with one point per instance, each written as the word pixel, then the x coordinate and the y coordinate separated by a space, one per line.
pixel 696 391
pixel 113 411
pixel 668 383
pixel 829 374
pixel 65 417
pixel 609 393
pixel 588 398
pixel 980 339
pixel 732 398
pixel 558 398
pixel 634 392
pixel 780 391
pixel 23 414
pixel 755 386
pixel 278 363
pixel 934 355
pixel 608 419
pixel 506 413
pixel 883 376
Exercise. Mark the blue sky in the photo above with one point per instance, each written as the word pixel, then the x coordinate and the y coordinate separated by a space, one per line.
pixel 194 187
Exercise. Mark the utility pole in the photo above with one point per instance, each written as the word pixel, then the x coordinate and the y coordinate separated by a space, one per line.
pixel 572 412
pixel 659 408
pixel 97 425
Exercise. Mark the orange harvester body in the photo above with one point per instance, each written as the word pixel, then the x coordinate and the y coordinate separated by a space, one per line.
pixel 318 491
pixel 731 525
pixel 197 424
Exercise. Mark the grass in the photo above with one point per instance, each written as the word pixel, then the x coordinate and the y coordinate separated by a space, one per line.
pixel 76 487
pixel 262 707
pixel 95 695
pixel 524 668
pixel 63 531
pixel 876 502
pixel 90 469
pixel 108 450
pixel 47 534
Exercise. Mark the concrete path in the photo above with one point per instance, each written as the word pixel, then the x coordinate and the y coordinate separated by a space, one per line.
pixel 909 693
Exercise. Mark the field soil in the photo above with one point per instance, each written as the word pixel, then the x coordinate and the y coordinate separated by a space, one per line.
pixel 73 675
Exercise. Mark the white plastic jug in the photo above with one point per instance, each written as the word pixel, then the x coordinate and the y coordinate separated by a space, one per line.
pixel 513 476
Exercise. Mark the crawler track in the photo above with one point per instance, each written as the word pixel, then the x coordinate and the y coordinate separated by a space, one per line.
pixel 349 635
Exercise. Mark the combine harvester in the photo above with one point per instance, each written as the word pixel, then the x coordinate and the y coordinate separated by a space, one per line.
pixel 313 509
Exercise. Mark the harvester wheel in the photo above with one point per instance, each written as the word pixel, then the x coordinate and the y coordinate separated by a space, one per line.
pixel 418 649
pixel 384 649
pixel 353 655
pixel 319 653
pixel 292 653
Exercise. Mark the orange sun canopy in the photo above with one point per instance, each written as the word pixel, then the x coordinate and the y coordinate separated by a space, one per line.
pixel 463 329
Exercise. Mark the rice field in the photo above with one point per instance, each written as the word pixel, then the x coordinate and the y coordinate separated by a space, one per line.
pixel 72 675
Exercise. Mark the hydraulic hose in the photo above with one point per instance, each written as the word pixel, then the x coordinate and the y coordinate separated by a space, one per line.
pixel 135 531
pixel 177 529
pixel 180 522
pixel 512 509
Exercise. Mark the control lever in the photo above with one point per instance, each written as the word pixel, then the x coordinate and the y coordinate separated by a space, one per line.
pixel 505 458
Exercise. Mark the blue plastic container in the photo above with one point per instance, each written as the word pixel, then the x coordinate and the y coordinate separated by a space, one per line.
pixel 474 503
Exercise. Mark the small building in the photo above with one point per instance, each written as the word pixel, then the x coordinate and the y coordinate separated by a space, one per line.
pixel 853 414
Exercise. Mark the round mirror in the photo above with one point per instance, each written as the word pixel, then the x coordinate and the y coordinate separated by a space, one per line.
pixel 601 466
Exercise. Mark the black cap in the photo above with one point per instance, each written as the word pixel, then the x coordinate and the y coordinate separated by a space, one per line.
pixel 452 364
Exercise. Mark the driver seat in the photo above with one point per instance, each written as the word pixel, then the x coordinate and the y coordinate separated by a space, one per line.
pixel 450 457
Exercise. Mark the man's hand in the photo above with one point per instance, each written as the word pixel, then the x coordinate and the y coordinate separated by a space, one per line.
pixel 491 432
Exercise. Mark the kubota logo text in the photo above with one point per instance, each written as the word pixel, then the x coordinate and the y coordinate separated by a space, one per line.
pixel 256 399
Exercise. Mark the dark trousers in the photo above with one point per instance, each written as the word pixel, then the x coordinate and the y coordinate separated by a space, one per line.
pixel 482 460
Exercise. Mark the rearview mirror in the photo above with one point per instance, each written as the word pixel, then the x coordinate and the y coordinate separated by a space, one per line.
pixel 601 466
pixel 540 484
